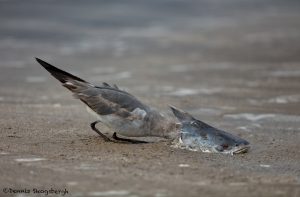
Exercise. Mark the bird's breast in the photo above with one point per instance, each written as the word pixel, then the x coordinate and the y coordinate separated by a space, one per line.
pixel 132 126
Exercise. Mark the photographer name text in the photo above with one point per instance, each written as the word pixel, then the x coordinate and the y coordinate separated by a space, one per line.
pixel 46 192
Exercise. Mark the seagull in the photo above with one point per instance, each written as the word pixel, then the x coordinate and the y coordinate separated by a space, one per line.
pixel 117 109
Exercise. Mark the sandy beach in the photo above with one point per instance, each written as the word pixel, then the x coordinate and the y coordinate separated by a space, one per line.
pixel 234 64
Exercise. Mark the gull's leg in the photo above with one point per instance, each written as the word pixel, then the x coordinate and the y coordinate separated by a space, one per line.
pixel 115 137
pixel 93 126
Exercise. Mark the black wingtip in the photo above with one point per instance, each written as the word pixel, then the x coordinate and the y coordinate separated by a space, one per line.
pixel 43 63
pixel 39 60
pixel 59 74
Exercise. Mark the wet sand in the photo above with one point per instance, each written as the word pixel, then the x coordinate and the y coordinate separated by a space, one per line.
pixel 233 64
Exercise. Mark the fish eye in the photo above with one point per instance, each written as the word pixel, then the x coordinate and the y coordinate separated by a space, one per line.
pixel 225 146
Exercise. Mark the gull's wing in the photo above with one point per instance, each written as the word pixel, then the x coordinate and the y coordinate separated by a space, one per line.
pixel 104 100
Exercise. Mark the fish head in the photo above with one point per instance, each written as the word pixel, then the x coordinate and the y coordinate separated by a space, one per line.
pixel 224 142
pixel 196 134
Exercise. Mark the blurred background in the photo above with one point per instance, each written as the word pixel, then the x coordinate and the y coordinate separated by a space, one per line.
pixel 234 64
pixel 168 47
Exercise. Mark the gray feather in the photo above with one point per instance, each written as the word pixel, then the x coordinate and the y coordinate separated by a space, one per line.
pixel 104 100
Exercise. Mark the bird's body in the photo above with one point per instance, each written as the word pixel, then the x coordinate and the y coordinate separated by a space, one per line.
pixel 117 109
